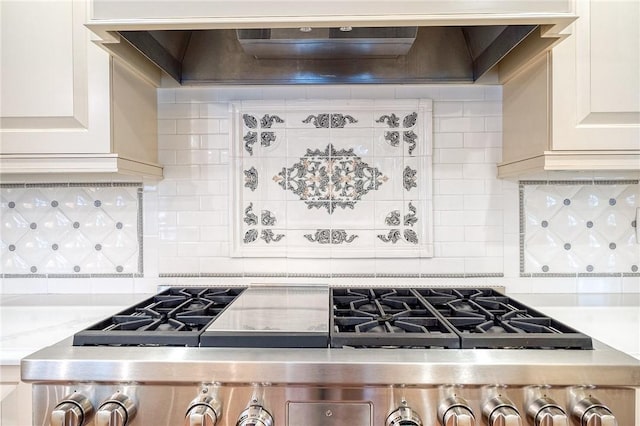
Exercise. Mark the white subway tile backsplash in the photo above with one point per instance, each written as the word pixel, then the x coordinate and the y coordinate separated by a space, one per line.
pixel 186 215
pixel 483 109
pixel 598 285
pixel 493 93
pixel 483 140
pixel 215 172
pixel 198 249
pixel 449 233
pixel 214 233
pixel 167 158
pixel 177 203
pixel 372 92
pixel 483 233
pixel 447 171
pixel 178 142
pixel 482 218
pixel 479 171
pixel 182 172
pixel 483 202
pixel 448 140
pixel 198 126
pixel 451 218
pixel 199 156
pixel 166 127
pixel 177 265
pixel 461 92
pixel 459 187
pixel 493 155
pixel 493 124
pixel 167 188
pixel 196 94
pixel 175 111
pixel 283 92
pixel 328 92
pixel 484 265
pixel 448 202
pixel 461 156
pixel 168 249
pixel 631 284
pixel 412 91
pixel 214 141
pixel 448 109
pixel 214 203
pixel 166 96
pixel 461 124
pixel 193 218
pixel 213 110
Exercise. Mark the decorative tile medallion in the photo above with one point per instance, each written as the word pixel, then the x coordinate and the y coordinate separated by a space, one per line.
pixel 575 228
pixel 331 178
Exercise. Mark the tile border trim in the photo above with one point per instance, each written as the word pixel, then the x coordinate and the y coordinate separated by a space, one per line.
pixel 337 275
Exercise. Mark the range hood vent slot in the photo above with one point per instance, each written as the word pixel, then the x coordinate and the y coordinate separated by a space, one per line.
pixel 451 54
pixel 327 43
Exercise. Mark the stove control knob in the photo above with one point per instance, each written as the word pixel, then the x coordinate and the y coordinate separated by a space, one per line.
pixel 404 416
pixel 203 411
pixel 74 410
pixel 455 411
pixel 591 412
pixel 255 415
pixel 500 411
pixel 545 412
pixel 118 410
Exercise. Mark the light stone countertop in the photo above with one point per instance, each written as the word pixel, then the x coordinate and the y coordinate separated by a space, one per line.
pixel 31 322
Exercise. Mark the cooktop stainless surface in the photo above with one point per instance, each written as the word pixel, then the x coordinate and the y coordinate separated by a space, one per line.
pixel 273 317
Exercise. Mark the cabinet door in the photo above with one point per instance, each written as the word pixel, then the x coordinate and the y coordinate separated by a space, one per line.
pixel 55 81
pixel 596 79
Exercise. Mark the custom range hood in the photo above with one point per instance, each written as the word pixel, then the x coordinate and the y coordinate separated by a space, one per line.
pixel 243 42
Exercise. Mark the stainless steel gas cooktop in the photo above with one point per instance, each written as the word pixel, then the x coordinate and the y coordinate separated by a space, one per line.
pixel 314 355
pixel 317 317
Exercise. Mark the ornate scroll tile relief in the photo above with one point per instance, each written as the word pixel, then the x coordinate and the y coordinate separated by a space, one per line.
pixel 348 179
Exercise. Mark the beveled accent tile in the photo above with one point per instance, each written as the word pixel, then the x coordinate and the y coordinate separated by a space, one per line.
pixel 584 228
pixel 71 230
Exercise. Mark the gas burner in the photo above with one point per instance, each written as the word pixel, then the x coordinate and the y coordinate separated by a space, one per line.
pixel 485 318
pixel 175 317
pixel 386 318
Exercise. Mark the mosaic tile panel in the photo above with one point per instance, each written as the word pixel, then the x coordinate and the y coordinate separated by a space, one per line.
pixel 579 229
pixel 71 230
pixel 323 178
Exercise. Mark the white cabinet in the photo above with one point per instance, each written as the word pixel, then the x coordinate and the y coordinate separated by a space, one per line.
pixel 65 105
pixel 578 107
pixel 15 397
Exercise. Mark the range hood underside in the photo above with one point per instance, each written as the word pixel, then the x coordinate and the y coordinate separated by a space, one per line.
pixel 453 54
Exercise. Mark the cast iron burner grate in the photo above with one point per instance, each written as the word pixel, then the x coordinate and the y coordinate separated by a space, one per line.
pixel 485 318
pixel 175 317
pixel 386 318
